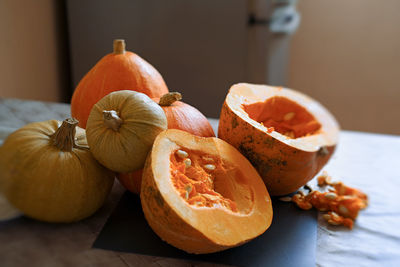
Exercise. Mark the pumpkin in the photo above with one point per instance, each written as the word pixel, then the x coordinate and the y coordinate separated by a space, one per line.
pixel 48 172
pixel 179 116
pixel 286 135
pixel 120 70
pixel 201 195
pixel 7 211
pixel 121 129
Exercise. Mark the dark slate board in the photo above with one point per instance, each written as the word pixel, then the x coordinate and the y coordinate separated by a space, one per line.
pixel 290 241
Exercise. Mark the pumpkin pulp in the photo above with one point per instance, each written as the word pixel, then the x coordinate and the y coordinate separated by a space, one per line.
pixel 285 116
pixel 197 181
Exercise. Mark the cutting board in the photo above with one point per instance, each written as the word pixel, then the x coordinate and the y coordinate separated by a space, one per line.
pixel 290 241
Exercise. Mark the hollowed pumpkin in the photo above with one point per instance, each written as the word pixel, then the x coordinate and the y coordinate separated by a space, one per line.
pixel 180 116
pixel 201 195
pixel 286 135
pixel 120 70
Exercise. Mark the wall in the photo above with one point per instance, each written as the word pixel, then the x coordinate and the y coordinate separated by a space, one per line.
pixel 347 55
pixel 31 65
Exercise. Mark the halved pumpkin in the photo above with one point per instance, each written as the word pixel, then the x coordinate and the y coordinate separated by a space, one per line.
pixel 201 195
pixel 286 135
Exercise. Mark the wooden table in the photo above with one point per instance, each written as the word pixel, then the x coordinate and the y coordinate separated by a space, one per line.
pixel 370 162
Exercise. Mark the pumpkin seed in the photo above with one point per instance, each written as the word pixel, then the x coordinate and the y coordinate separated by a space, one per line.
pixel 188 188
pixel 182 154
pixel 334 215
pixel 343 210
pixel 330 196
pixel 210 197
pixel 326 216
pixel 209 167
pixel 333 222
pixel 208 159
pixel 289 134
pixel 288 116
pixel 187 162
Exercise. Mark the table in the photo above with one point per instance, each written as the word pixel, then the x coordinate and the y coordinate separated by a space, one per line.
pixel 370 162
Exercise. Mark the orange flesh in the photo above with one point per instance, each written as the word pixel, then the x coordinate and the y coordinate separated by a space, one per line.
pixel 342 202
pixel 285 116
pixel 196 184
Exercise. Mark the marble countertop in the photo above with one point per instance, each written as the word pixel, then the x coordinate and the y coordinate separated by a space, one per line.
pixel 370 162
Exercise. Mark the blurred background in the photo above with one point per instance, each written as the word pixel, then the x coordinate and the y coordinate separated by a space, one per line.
pixel 343 53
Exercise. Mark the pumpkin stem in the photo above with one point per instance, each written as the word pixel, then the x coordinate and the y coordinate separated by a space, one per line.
pixel 64 137
pixel 119 46
pixel 112 120
pixel 169 98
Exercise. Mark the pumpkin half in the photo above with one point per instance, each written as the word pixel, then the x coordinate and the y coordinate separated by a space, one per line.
pixel 180 116
pixel 201 195
pixel 286 135
pixel 120 70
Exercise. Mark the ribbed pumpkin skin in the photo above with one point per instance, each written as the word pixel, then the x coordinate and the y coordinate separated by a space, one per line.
pixel 48 184
pixel 187 118
pixel 180 116
pixel 115 72
pixel 283 168
pixel 125 149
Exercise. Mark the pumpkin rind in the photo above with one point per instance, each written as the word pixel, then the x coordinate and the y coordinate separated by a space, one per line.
pixel 124 148
pixel 47 183
pixel 284 163
pixel 115 71
pixel 203 229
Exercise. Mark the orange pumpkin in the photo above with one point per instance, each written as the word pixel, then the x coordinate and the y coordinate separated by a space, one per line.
pixel 179 116
pixel 201 195
pixel 120 70
pixel 286 135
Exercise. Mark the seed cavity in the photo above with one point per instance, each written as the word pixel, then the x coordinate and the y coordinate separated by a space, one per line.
pixel 182 154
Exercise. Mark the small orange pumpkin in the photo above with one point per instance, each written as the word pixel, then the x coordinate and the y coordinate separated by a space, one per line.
pixel 201 195
pixel 120 70
pixel 286 135
pixel 179 116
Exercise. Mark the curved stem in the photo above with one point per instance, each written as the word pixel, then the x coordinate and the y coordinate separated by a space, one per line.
pixel 119 46
pixel 64 137
pixel 169 98
pixel 112 120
